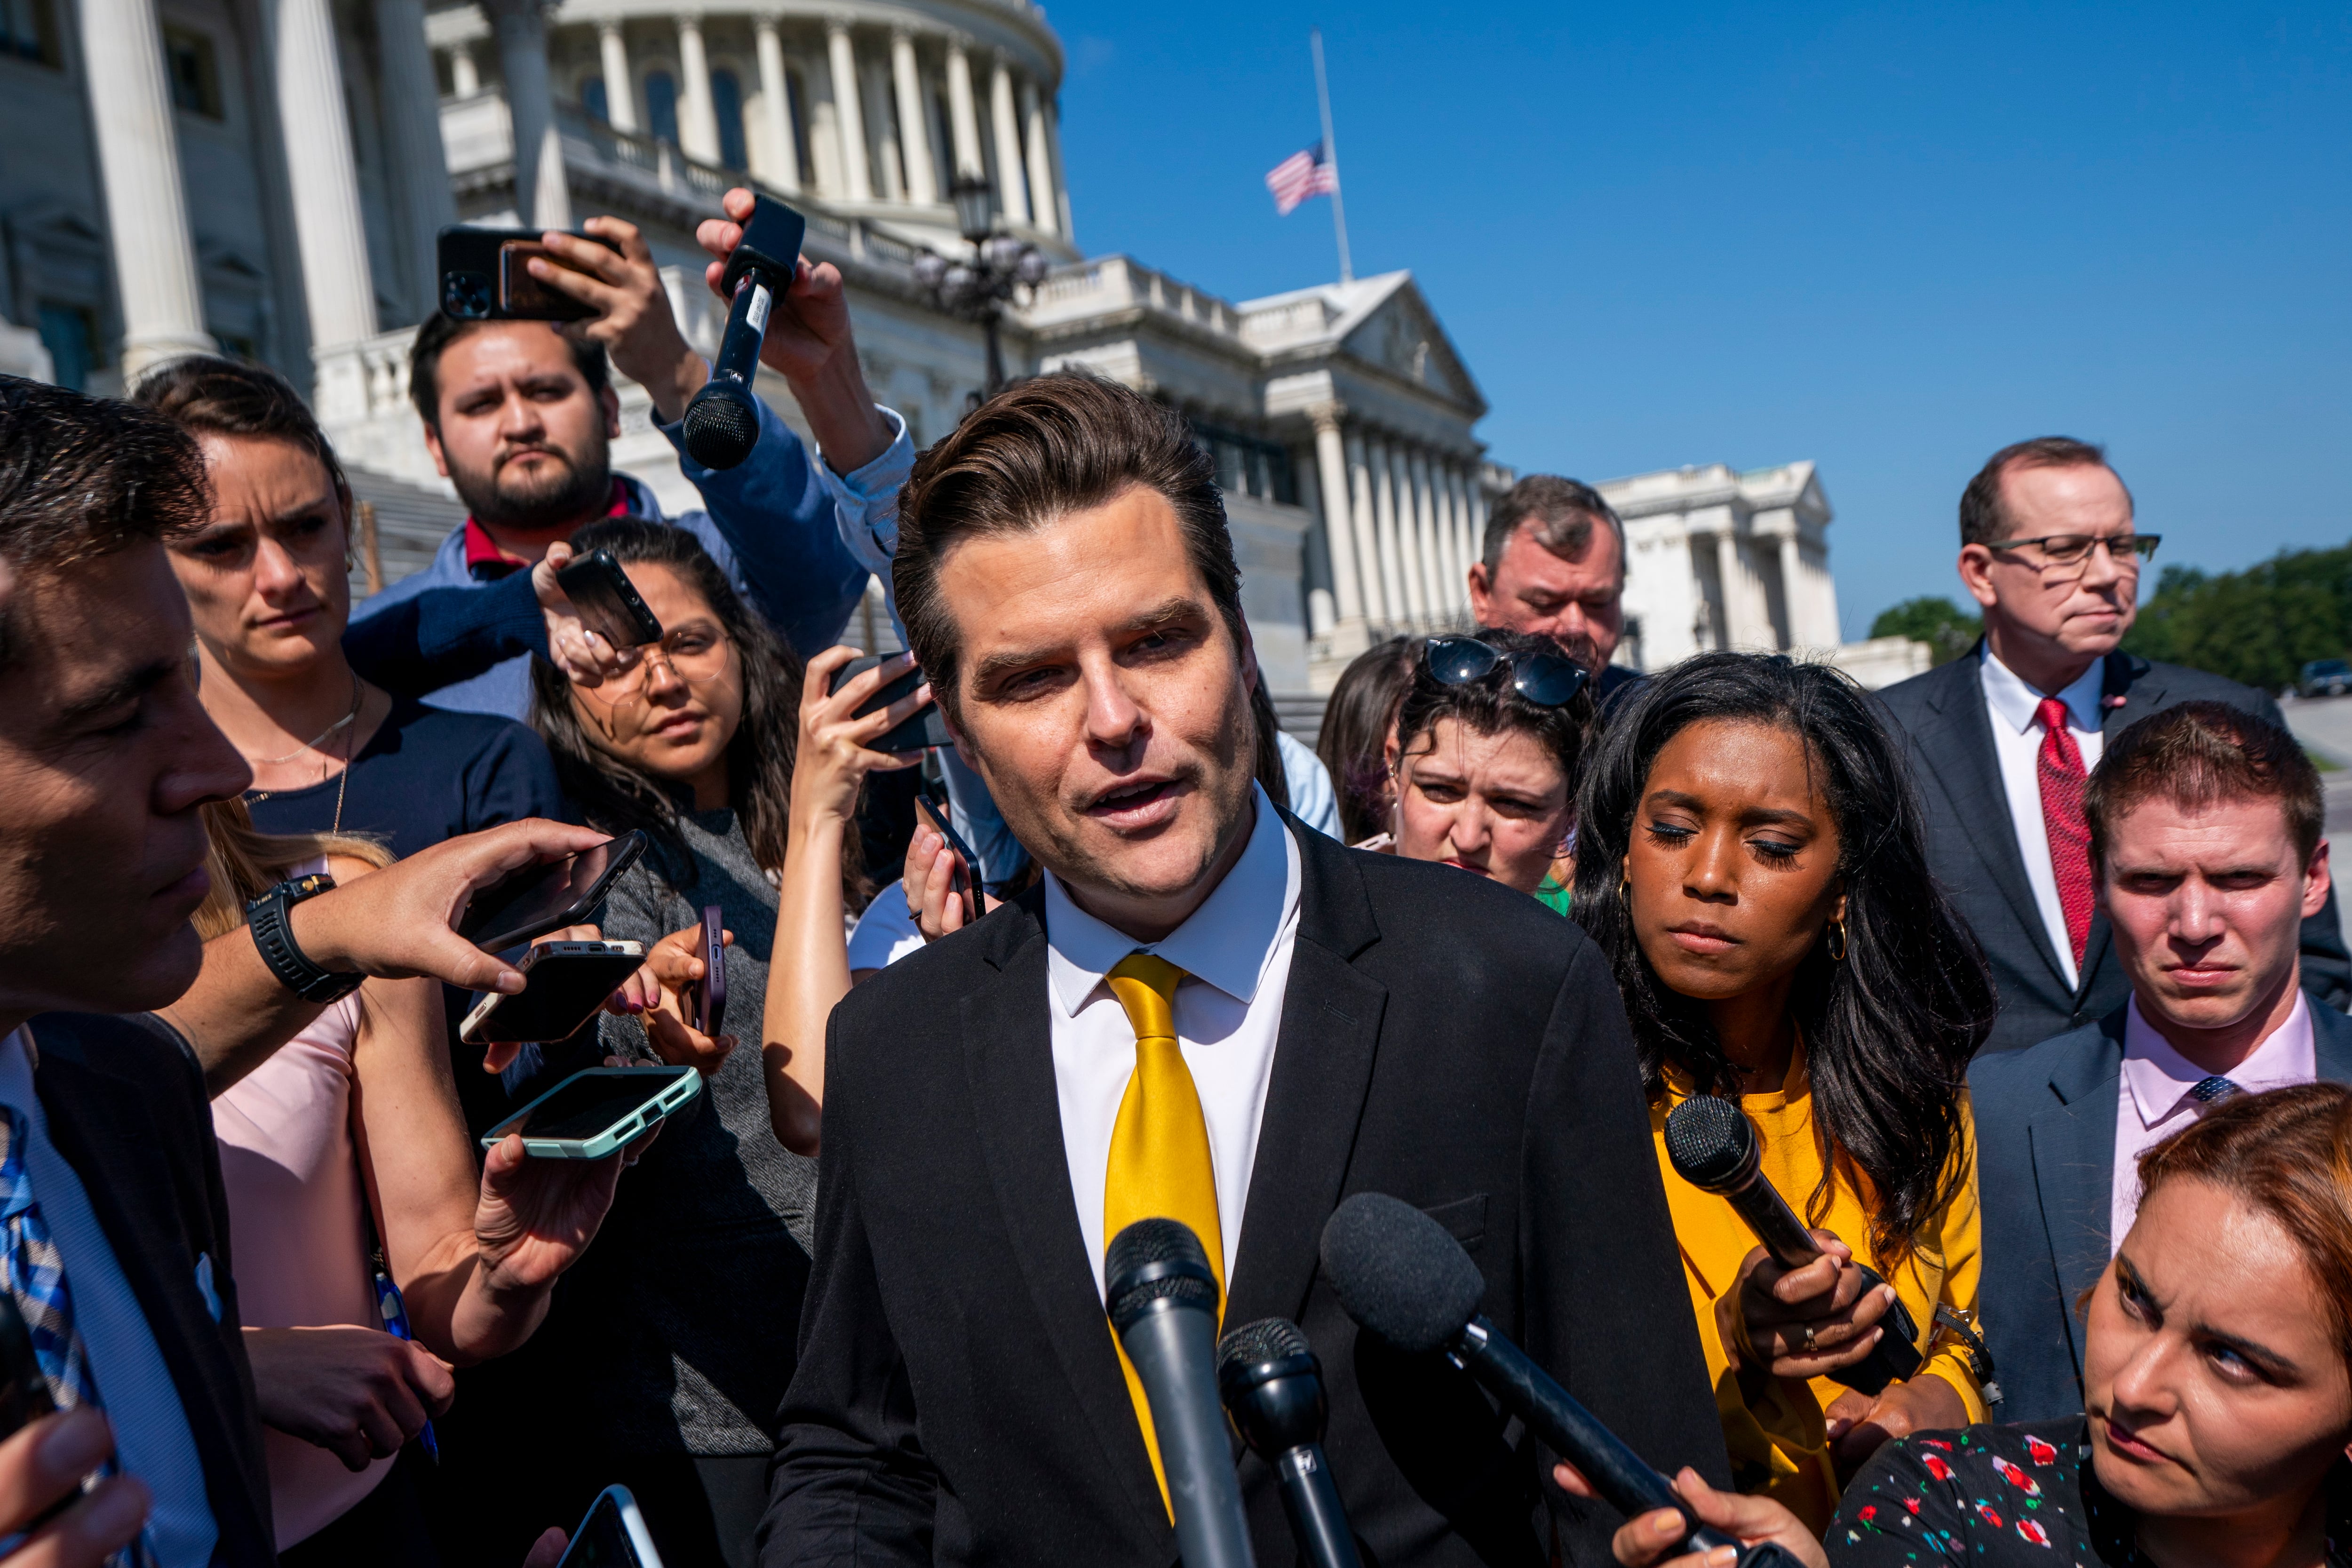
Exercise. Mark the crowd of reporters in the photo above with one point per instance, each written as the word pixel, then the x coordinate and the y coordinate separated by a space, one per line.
pixel 2025 975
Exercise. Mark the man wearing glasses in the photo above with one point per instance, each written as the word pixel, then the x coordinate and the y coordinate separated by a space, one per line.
pixel 2004 739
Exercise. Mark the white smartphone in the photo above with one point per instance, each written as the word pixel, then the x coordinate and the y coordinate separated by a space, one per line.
pixel 564 984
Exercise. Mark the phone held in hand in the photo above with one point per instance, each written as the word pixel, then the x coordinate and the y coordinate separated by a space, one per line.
pixel 485 276
pixel 595 1111
pixel 607 601
pixel 564 984
pixel 966 881
pixel 710 992
pixel 923 728
pixel 532 901
pixel 613 1535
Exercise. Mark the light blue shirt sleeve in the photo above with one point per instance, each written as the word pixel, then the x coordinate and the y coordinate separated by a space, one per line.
pixel 152 1439
pixel 1312 800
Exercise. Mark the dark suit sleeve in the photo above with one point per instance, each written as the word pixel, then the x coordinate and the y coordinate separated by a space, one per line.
pixel 443 635
pixel 850 1482
pixel 2327 964
pixel 1607 1310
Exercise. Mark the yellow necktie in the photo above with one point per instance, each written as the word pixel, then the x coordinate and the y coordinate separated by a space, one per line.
pixel 1159 1165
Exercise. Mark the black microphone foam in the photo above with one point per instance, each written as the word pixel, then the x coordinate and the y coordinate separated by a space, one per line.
pixel 1268 1339
pixel 1153 1260
pixel 1398 1273
pixel 720 427
pixel 1711 1142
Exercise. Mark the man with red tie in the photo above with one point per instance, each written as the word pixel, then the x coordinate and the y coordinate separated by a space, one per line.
pixel 2003 739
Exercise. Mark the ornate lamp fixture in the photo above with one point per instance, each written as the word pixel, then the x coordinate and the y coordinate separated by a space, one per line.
pixel 977 290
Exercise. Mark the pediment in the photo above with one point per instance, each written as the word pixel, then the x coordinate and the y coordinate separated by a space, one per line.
pixel 1401 336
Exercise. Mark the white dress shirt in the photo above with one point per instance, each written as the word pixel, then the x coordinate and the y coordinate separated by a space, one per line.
pixel 2154 1103
pixel 152 1439
pixel 2014 709
pixel 1236 951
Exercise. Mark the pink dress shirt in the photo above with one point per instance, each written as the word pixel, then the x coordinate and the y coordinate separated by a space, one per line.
pixel 2154 1102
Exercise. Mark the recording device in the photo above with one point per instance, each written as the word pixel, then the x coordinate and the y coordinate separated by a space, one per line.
pixel 595 1111
pixel 722 422
pixel 608 603
pixel 1714 1147
pixel 485 276
pixel 1402 1277
pixel 1162 1301
pixel 965 882
pixel 710 992
pixel 1273 1388
pixel 532 901
pixel 564 984
pixel 919 730
pixel 613 1535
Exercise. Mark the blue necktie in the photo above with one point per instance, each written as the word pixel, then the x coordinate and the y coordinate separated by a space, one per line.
pixel 33 1274
pixel 2207 1089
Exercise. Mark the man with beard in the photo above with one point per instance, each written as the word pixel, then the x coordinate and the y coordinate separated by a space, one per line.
pixel 519 416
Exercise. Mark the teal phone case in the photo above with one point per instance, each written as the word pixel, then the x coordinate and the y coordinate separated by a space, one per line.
pixel 653 1108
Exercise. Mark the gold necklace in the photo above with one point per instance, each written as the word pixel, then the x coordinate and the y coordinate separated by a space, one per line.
pixel 351 755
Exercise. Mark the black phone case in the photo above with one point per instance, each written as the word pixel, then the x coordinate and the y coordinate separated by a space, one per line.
pixel 608 603
pixel 482 933
pixel 473 282
pixel 921 729
pixel 561 995
pixel 710 991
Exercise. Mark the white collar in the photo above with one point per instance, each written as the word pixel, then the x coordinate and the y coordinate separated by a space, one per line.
pixel 2019 705
pixel 1227 942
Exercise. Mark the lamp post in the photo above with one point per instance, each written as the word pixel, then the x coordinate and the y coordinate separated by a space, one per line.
pixel 977 290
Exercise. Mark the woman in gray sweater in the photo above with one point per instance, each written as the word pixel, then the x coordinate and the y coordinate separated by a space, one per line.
pixel 680 1323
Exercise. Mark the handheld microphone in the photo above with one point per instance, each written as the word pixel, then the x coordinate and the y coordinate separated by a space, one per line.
pixel 1714 1147
pixel 722 422
pixel 1162 1301
pixel 1402 1277
pixel 1273 1386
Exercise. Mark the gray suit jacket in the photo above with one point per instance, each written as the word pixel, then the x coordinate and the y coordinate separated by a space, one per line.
pixel 2045 1120
pixel 1972 844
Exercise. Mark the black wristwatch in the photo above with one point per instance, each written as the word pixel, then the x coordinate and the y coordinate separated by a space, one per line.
pixel 275 939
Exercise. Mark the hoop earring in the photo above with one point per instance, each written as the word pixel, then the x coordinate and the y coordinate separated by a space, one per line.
pixel 1836 948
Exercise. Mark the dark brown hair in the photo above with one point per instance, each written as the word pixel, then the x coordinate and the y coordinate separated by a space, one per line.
pixel 1035 452
pixel 2288 1154
pixel 440 329
pixel 206 394
pixel 1982 517
pixel 1491 706
pixel 2197 754
pixel 1356 730
pixel 1563 512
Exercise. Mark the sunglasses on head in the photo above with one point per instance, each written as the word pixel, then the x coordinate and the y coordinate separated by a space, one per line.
pixel 1545 679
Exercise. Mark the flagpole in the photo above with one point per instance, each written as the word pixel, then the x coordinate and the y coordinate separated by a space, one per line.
pixel 1332 156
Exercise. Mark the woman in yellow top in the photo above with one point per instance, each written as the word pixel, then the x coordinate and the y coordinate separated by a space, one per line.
pixel 1752 860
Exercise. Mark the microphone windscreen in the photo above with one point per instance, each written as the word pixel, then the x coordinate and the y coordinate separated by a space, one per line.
pixel 1710 1142
pixel 720 427
pixel 1255 1345
pixel 1398 1272
pixel 1151 1260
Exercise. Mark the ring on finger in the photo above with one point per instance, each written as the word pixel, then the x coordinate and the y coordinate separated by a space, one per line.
pixel 1807 1342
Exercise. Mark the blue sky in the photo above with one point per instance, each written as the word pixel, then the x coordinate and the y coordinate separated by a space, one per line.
pixel 1890 239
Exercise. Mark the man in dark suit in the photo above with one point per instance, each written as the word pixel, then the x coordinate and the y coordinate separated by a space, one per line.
pixel 2205 825
pixel 1288 1021
pixel 2002 739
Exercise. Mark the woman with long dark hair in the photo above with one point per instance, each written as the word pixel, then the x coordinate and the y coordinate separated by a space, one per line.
pixel 1751 856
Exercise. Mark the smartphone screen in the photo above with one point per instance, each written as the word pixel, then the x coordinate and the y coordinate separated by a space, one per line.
pixel 536 899
pixel 586 1103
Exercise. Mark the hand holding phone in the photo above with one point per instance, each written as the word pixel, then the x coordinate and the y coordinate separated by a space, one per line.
pixel 919 731
pixel 534 899
pixel 606 602
pixel 564 985
pixel 485 276
pixel 710 992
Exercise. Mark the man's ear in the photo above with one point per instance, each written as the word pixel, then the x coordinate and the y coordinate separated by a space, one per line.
pixel 2318 878
pixel 433 445
pixel 1976 574
pixel 1481 590
pixel 611 402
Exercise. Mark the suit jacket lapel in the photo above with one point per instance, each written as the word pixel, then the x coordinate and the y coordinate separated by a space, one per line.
pixel 1009 1062
pixel 1322 1067
pixel 1958 749
pixel 2074 1145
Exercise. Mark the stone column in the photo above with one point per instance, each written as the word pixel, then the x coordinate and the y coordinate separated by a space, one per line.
pixel 1434 552
pixel 1824 597
pixel 146 209
pixel 1060 172
pixel 1465 485
pixel 1011 188
pixel 914 125
pixel 413 112
pixel 1796 598
pixel 338 286
pixel 1368 564
pixel 465 76
pixel 776 98
pixel 1042 205
pixel 1449 540
pixel 620 91
pixel 541 195
pixel 1396 580
pixel 1338 528
pixel 698 116
pixel 963 119
pixel 1734 632
pixel 849 112
pixel 882 129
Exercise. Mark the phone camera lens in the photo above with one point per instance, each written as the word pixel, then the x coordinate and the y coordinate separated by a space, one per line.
pixel 466 295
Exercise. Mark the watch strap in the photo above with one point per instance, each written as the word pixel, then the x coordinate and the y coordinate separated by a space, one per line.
pixel 273 937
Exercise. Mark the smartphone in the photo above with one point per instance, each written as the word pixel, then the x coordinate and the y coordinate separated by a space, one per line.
pixel 613 1535
pixel 564 984
pixel 485 276
pixel 607 601
pixel 532 901
pixel 710 992
pixel 921 729
pixel 965 883
pixel 594 1112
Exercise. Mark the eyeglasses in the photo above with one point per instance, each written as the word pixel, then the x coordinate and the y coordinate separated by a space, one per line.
pixel 690 654
pixel 1545 679
pixel 2125 550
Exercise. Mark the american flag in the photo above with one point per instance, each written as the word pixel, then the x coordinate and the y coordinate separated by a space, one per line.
pixel 1301 175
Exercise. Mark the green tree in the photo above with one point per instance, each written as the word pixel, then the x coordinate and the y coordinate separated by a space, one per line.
pixel 1933 620
pixel 2260 626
